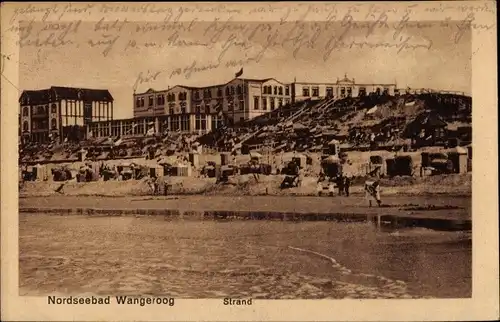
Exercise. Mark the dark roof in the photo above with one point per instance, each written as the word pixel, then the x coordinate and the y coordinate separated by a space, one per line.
pixel 86 93
pixel 59 92
pixel 36 97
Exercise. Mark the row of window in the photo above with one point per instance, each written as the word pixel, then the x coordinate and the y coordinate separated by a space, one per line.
pixel 41 125
pixel 176 123
pixel 272 101
pixel 344 91
pixel 207 94
pixel 72 110
pixel 276 90
pixel 40 110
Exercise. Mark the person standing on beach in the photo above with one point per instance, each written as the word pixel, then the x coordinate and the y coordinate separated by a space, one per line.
pixel 372 192
pixel 347 184
pixel 340 184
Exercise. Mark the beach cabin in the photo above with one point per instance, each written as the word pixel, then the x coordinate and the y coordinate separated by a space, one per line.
pixel 459 157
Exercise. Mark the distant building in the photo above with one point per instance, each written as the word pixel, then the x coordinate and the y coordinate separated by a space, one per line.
pixel 340 89
pixel 48 114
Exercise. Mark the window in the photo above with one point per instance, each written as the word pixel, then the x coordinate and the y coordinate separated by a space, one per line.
pixel 342 91
pixel 238 89
pixel 230 106
pixel 242 105
pixel 25 126
pixel 242 119
pixel 142 102
pixel 185 123
pixel 151 100
pixel 305 91
pixel 232 90
pixel 280 102
pixel 171 111
pixel 53 124
pixel 378 91
pixel 219 92
pixel 175 123
pixel 227 91
pixel 315 91
pixel 216 122
pixel 53 108
pixel 200 122
pixel 362 91
pixel 197 95
pixel 161 100
pixel 287 101
pixel 287 90
pixel 198 109
pixel 272 104
pixel 275 90
pixel 255 102
pixel 183 109
pixel 207 108
pixel 138 102
pixel 280 90
pixel 264 103
pixel 329 92
pixel 26 111
pixel 386 91
pixel 349 91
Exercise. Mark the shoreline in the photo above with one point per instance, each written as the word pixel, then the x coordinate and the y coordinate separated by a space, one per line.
pixel 439 213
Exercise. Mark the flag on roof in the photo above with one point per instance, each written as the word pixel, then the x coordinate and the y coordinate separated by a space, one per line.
pixel 238 74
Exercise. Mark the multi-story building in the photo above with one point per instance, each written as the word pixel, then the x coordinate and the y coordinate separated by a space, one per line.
pixel 340 89
pixel 48 114
pixel 240 99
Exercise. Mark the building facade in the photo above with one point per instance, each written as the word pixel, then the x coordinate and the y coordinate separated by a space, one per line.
pixel 342 88
pixel 240 99
pixel 48 114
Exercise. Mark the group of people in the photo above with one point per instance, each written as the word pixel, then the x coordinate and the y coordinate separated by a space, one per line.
pixel 343 182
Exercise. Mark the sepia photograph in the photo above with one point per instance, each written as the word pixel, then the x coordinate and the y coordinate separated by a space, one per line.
pixel 191 151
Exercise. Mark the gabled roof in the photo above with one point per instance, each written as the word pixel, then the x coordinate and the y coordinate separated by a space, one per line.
pixel 345 80
pixel 59 92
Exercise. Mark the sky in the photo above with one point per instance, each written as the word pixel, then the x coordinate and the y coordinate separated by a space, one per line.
pixel 437 58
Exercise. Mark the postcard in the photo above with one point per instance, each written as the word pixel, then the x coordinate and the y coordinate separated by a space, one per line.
pixel 255 161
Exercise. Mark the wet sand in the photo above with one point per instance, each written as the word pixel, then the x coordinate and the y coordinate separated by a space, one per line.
pixel 440 207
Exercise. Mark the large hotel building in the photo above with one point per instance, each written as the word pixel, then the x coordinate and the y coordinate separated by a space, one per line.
pixel 180 108
pixel 53 113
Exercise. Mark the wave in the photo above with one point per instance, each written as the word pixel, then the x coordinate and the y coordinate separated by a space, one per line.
pixel 389 284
